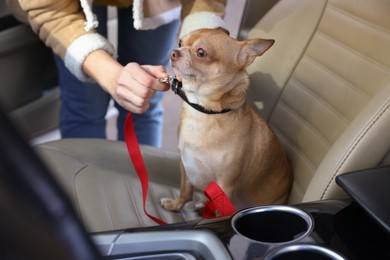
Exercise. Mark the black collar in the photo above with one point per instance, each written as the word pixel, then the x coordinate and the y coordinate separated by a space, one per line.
pixel 176 87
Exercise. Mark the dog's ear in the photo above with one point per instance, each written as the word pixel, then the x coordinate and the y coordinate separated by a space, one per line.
pixel 251 49
pixel 224 30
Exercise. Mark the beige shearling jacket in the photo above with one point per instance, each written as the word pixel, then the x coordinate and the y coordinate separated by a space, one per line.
pixel 68 26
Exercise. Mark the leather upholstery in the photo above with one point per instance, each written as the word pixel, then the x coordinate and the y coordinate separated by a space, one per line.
pixel 328 75
pixel 324 87
pixel 99 177
pixel 30 90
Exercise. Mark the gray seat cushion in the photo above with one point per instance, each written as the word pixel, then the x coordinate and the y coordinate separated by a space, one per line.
pixel 101 181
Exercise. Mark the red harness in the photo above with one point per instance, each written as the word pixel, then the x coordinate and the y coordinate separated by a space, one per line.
pixel 218 204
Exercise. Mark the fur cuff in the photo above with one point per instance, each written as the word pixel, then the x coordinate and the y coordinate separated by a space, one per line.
pixel 80 49
pixel 200 20
pixel 149 23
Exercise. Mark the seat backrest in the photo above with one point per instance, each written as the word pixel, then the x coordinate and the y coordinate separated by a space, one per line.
pixel 29 91
pixel 324 87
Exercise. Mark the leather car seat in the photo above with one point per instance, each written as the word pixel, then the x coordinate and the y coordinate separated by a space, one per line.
pixel 324 87
pixel 29 80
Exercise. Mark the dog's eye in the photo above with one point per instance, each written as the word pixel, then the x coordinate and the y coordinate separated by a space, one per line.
pixel 179 43
pixel 201 53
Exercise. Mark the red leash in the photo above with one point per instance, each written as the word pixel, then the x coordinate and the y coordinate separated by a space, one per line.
pixel 138 162
pixel 218 201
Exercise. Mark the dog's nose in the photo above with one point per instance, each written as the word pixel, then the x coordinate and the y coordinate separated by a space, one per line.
pixel 175 54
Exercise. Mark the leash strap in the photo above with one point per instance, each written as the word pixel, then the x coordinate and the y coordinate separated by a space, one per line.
pixel 138 162
pixel 217 197
pixel 217 201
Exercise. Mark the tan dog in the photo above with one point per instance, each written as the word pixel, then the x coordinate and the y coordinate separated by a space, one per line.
pixel 236 149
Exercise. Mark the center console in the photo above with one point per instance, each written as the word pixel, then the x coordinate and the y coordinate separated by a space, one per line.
pixel 328 229
pixel 331 229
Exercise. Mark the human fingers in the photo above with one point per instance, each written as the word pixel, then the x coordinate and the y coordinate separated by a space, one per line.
pixel 130 105
pixel 157 72
pixel 132 101
pixel 146 76
pixel 133 91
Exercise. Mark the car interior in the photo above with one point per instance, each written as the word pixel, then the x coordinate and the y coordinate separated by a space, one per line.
pixel 31 89
pixel 324 88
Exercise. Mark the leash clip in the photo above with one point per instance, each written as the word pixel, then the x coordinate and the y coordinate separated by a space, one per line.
pixel 173 82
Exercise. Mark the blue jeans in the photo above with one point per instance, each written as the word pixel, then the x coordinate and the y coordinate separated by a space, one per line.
pixel 84 105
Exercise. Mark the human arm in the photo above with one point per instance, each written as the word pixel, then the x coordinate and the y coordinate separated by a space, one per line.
pixel 60 24
pixel 116 79
pixel 88 55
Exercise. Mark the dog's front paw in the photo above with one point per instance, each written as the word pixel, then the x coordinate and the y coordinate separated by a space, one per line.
pixel 200 204
pixel 171 204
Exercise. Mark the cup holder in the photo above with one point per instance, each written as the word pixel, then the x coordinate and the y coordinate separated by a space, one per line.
pixel 302 252
pixel 272 224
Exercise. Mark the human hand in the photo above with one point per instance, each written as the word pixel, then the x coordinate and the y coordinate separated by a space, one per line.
pixel 136 84
pixel 131 86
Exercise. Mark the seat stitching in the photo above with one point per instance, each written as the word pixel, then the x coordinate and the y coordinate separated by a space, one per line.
pixel 379 65
pixel 297 117
pixel 133 201
pixel 304 50
pixel 75 191
pixel 316 63
pixel 301 155
pixel 358 19
pixel 323 102
pixel 58 150
pixel 110 211
pixel 357 141
pixel 295 148
pixel 356 51
pixel 78 201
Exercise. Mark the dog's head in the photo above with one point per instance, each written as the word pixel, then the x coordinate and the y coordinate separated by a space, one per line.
pixel 208 60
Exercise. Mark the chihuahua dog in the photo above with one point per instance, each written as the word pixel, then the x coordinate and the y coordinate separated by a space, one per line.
pixel 231 145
